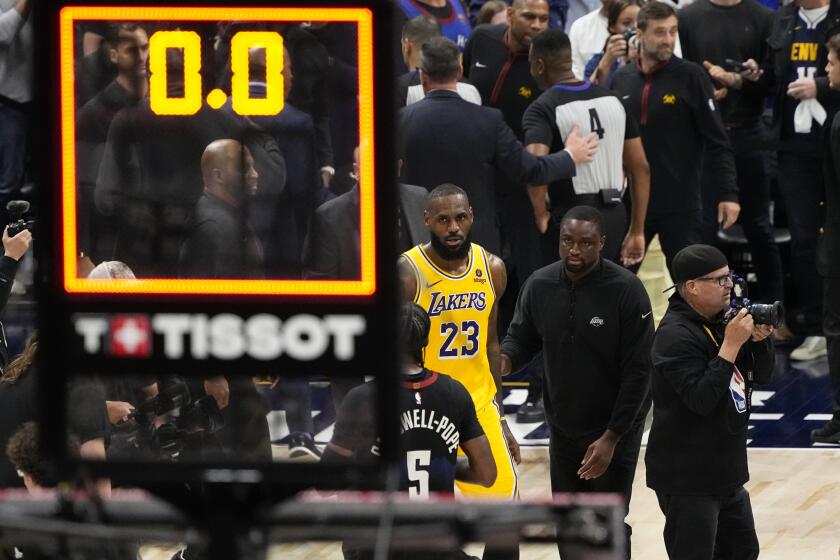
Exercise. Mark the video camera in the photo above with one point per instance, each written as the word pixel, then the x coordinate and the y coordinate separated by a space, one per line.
pixel 185 417
pixel 762 313
pixel 17 223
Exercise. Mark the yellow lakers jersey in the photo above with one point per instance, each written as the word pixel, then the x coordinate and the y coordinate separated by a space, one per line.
pixel 459 310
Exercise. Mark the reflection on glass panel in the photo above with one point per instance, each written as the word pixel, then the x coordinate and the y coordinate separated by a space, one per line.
pixel 204 148
pixel 170 418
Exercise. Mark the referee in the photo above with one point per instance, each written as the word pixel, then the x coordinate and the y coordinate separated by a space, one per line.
pixel 592 320
pixel 568 102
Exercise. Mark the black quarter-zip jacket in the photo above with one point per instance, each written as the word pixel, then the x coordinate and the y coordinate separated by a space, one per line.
pixel 596 336
pixel 501 76
pixel 680 124
pixel 698 439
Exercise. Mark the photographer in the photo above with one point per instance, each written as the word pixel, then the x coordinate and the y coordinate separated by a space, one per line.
pixel 704 370
pixel 620 48
pixel 13 250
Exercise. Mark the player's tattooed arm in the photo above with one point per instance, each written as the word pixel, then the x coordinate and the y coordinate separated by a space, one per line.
pixel 408 279
pixel 479 466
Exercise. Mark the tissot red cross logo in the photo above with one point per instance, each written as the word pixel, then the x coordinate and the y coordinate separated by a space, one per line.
pixel 131 336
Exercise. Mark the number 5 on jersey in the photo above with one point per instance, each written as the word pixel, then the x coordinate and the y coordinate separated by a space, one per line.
pixel 449 350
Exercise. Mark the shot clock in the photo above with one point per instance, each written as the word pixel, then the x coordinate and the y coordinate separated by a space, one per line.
pixel 134 193
pixel 191 141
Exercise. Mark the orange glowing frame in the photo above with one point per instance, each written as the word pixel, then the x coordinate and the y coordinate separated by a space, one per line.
pixel 366 286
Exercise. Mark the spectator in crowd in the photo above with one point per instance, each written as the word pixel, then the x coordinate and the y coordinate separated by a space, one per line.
pixel 416 32
pixel 588 35
pixel 488 12
pixel 222 243
pixel 128 48
pixel 673 102
pixel 599 183
pixel 450 14
pixel 588 315
pixel 711 32
pixel 704 367
pixel 796 68
pixel 22 450
pixel 447 139
pixel 16 54
pixel 828 262
pixel 621 18
pixel 87 418
pixel 493 12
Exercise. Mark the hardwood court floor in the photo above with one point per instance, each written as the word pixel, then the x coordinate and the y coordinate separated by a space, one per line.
pixel 795 496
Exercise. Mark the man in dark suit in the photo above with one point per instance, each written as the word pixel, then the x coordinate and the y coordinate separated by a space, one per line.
pixel 449 140
pixel 332 246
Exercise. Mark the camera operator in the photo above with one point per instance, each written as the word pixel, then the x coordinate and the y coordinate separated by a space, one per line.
pixel 704 370
pixel 13 250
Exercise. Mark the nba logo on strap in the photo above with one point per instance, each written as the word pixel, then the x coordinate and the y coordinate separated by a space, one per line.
pixel 738 390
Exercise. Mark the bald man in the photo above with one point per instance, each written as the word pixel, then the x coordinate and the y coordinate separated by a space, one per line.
pixel 221 243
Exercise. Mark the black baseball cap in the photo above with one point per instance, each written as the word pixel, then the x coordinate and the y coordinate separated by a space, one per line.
pixel 696 261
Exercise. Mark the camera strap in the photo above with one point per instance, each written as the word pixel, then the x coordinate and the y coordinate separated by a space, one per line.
pixel 748 388
pixel 712 336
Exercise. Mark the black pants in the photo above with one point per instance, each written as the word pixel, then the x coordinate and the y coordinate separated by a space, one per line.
pixel 709 527
pixel 566 454
pixel 754 196
pixel 801 186
pixel 676 231
pixel 831 328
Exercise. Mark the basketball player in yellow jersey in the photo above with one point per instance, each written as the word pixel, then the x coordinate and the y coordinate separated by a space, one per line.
pixel 458 283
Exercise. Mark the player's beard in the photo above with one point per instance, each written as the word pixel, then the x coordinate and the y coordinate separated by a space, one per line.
pixel 449 254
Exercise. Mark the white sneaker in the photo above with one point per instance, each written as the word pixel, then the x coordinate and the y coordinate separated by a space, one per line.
pixel 812 348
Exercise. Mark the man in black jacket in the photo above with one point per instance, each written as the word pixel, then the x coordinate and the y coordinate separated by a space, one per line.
pixel 703 374
pixel 592 319
pixel 828 250
pixel 449 140
pixel 222 243
pixel 673 102
pixel 795 68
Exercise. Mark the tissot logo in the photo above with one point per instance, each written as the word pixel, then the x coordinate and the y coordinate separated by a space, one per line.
pixel 131 336
pixel 224 337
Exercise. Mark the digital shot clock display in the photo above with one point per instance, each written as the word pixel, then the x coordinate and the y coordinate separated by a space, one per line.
pixel 197 142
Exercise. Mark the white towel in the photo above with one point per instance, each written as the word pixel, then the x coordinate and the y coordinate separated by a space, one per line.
pixel 807 111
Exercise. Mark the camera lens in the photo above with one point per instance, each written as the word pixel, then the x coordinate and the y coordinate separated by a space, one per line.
pixel 768 313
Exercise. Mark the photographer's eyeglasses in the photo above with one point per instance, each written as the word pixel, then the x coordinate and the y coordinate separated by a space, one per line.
pixel 722 281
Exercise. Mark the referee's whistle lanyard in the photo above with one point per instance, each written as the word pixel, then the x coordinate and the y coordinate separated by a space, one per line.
pixel 748 388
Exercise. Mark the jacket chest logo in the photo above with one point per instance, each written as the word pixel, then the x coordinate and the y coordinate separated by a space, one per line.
pixel 669 99
pixel 525 92
pixel 596 322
